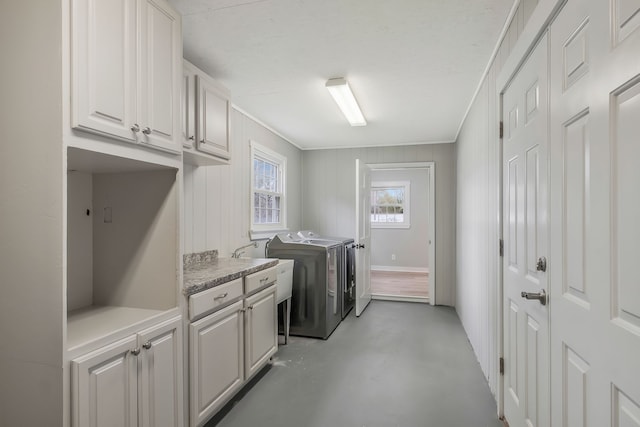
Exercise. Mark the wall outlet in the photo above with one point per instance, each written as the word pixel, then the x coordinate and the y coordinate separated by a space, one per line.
pixel 393 257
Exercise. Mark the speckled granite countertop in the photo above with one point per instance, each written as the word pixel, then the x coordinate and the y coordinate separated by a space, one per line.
pixel 210 271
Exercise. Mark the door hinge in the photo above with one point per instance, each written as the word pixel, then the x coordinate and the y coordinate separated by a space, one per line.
pixel 501 250
pixel 501 127
pixel 502 366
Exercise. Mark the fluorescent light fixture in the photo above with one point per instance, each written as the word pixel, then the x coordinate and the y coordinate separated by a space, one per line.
pixel 341 92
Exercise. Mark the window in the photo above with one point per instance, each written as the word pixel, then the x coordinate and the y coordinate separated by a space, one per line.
pixel 390 205
pixel 268 208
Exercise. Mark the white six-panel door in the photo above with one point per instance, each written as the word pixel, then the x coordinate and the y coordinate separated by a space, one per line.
pixel 526 329
pixel 595 213
pixel 363 236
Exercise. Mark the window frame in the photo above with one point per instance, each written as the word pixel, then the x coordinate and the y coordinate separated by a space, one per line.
pixel 263 230
pixel 406 205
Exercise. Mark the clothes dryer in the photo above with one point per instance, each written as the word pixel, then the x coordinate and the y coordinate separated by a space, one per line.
pixel 348 279
pixel 316 302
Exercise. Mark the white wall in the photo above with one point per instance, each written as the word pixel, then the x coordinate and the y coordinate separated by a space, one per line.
pixel 472 233
pixel 329 197
pixel 409 245
pixel 79 240
pixel 216 198
pixel 478 209
pixel 31 214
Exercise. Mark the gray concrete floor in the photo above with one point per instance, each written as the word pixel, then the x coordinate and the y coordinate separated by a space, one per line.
pixel 398 365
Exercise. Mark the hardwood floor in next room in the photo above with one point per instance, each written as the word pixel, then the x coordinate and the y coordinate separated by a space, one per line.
pixel 399 364
pixel 400 283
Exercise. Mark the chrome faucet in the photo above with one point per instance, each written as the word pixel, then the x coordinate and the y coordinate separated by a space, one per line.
pixel 239 251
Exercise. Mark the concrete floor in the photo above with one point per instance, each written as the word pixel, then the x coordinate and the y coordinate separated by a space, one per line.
pixel 399 364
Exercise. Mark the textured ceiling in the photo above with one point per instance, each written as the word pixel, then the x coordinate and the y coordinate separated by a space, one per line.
pixel 413 65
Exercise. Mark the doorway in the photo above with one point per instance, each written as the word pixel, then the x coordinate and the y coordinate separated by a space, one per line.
pixel 402 232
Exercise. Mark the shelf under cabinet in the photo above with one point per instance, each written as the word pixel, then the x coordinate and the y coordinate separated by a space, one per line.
pixel 88 324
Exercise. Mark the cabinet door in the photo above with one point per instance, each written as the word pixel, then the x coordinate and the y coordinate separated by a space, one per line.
pixel 188 99
pixel 161 375
pixel 216 365
pixel 161 54
pixel 103 53
pixel 104 387
pixel 261 330
pixel 213 118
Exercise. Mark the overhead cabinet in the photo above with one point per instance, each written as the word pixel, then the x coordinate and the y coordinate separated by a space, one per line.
pixel 206 118
pixel 126 71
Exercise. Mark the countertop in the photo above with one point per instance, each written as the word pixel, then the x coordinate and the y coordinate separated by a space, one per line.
pixel 199 276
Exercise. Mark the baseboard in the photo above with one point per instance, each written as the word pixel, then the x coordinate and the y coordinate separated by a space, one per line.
pixel 399 269
pixel 385 297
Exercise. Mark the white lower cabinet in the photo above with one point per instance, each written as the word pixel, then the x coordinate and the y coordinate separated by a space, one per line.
pixel 261 329
pixel 216 360
pixel 136 381
pixel 228 346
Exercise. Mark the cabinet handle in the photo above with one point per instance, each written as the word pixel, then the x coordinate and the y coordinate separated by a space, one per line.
pixel 220 296
pixel 146 130
pixel 147 345
pixel 135 351
pixel 264 280
pixel 135 128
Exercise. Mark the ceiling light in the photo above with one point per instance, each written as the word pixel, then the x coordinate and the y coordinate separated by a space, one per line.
pixel 341 92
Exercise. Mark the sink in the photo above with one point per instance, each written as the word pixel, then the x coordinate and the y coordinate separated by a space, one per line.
pixel 285 280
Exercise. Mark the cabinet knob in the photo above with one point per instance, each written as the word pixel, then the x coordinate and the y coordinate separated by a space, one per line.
pixel 135 351
pixel 192 138
pixel 147 345
pixel 250 307
pixel 135 128
pixel 146 130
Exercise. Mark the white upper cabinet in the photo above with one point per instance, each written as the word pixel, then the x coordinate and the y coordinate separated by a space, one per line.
pixel 213 118
pixel 206 114
pixel 126 70
pixel 188 105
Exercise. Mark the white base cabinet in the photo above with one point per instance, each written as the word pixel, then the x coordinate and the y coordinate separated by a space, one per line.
pixel 216 351
pixel 136 381
pixel 228 346
pixel 261 330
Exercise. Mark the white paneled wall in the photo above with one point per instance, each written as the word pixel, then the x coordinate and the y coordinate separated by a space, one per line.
pixel 329 197
pixel 472 232
pixel 478 208
pixel 216 198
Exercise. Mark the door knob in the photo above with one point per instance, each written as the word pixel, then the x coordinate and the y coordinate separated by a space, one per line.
pixel 540 296
pixel 541 265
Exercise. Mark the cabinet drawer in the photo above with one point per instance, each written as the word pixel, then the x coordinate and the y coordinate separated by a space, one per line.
pixel 260 279
pixel 211 299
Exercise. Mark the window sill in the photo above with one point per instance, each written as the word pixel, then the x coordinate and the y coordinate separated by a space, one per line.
pixel 265 234
pixel 390 226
